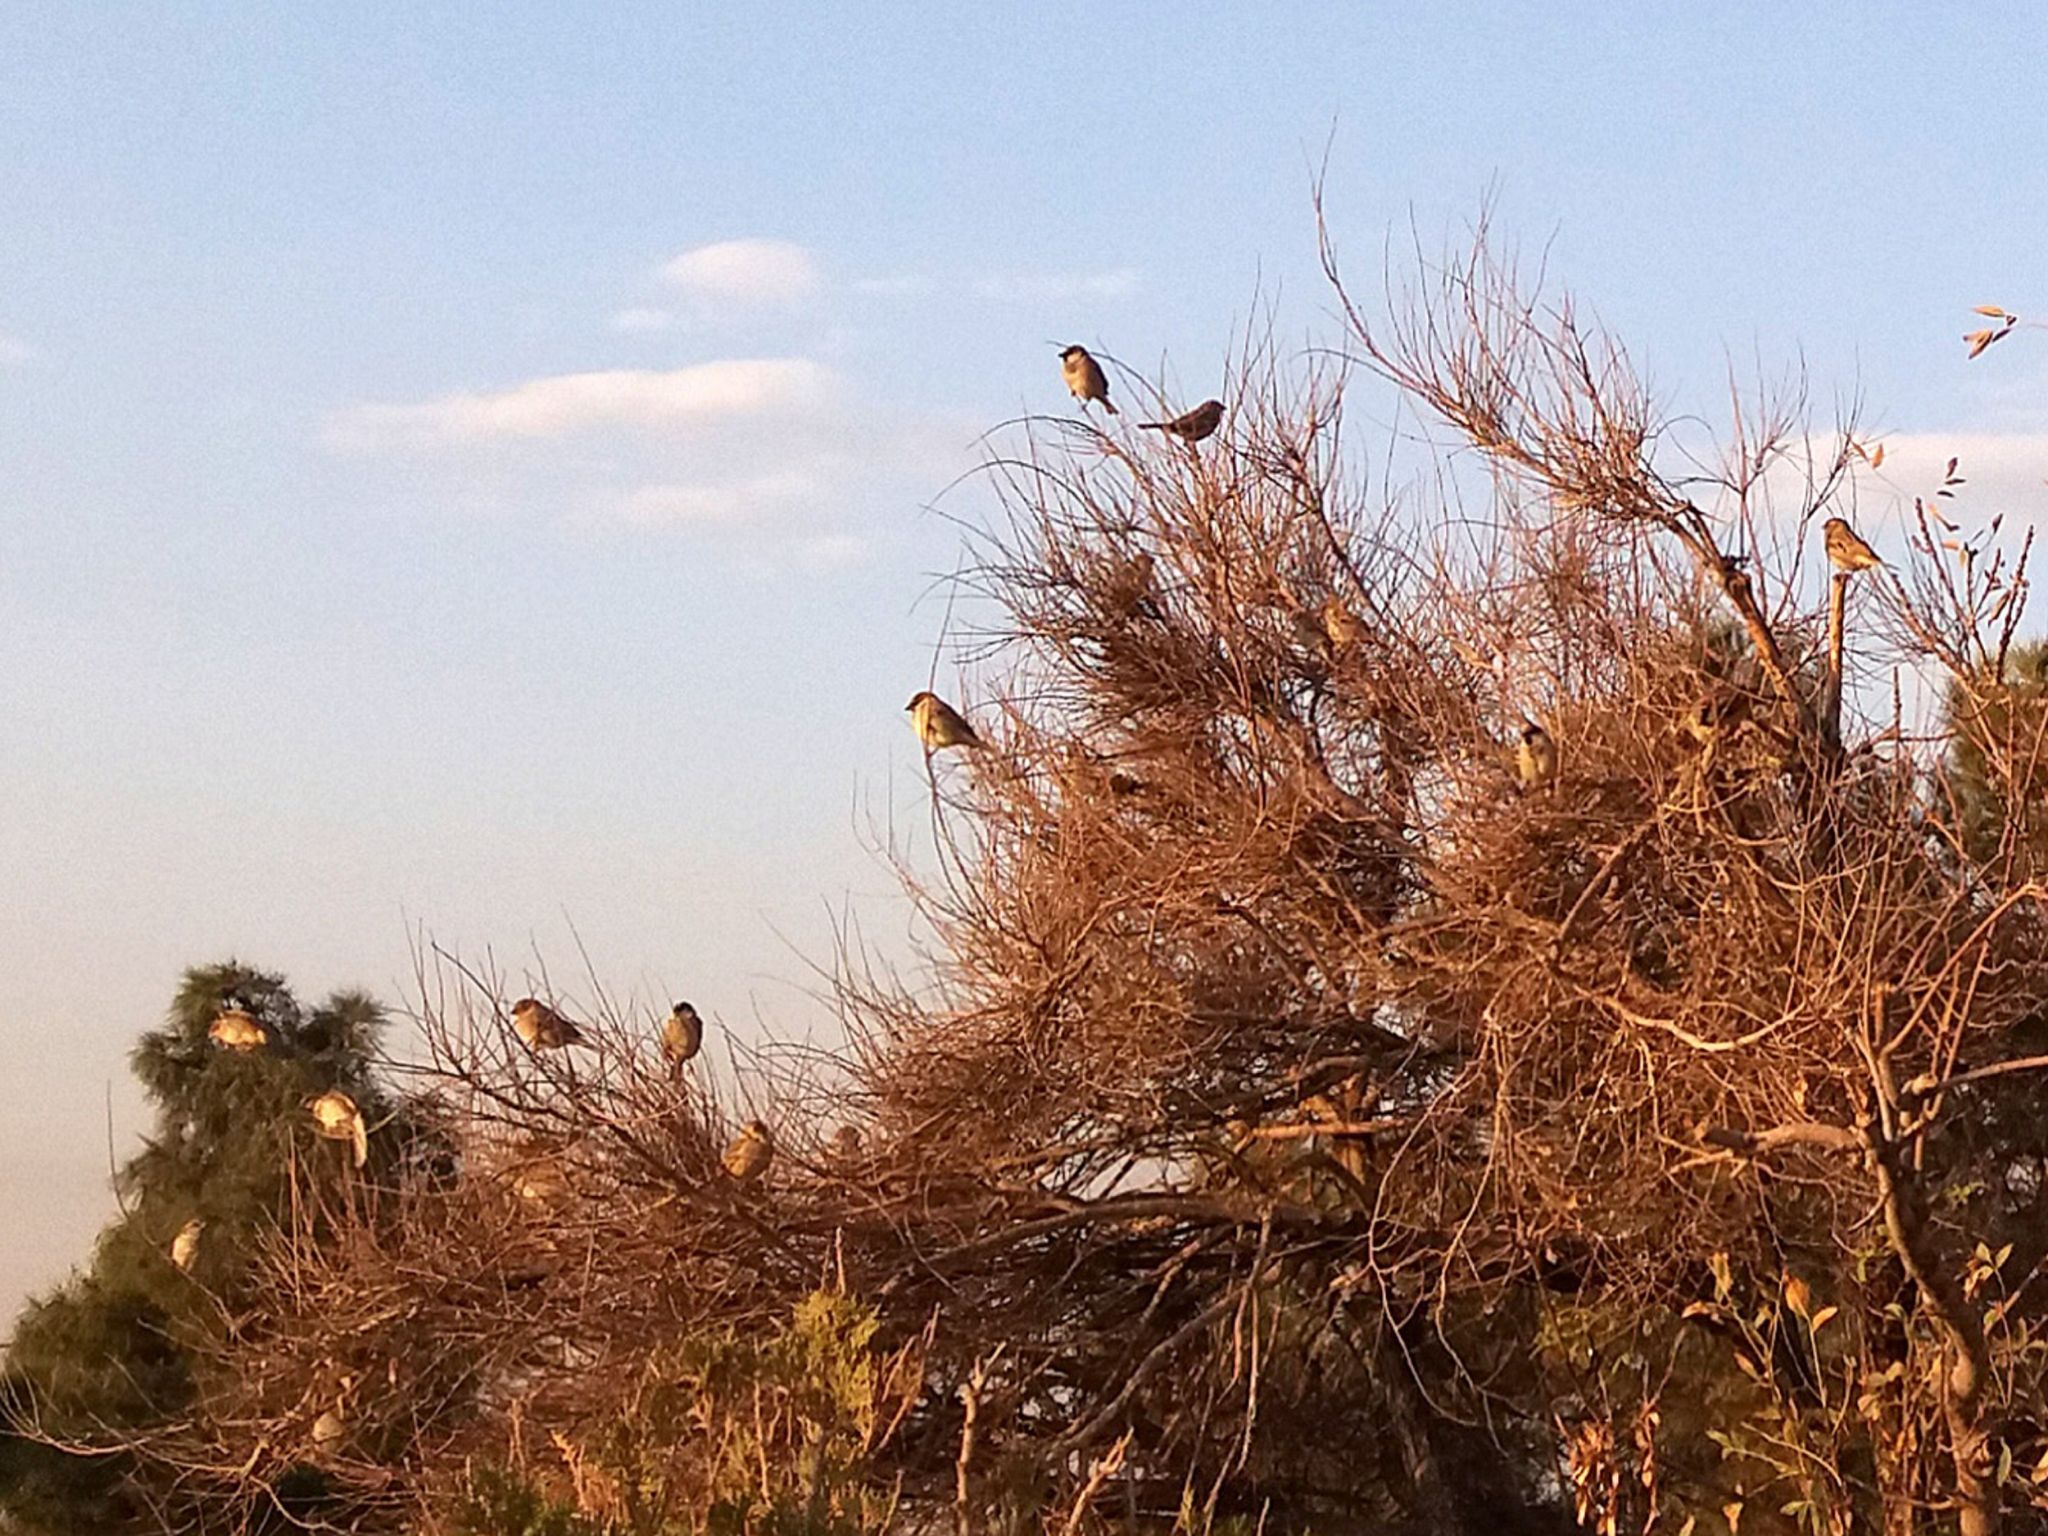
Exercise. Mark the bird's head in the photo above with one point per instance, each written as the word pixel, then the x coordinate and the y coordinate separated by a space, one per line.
pixel 681 1010
pixel 1069 353
pixel 917 699
pixel 755 1130
pixel 525 1005
pixel 1531 731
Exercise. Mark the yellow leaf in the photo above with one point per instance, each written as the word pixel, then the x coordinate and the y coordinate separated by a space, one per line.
pixel 1877 456
pixel 1995 311
pixel 1797 1296
pixel 1819 1320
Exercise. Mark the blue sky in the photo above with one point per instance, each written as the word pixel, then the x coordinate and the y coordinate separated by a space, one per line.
pixel 408 519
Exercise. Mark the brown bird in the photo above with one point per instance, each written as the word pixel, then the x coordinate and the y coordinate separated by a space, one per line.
pixel 541 1181
pixel 541 1027
pixel 1846 549
pixel 1084 378
pixel 329 1428
pixel 750 1153
pixel 1535 756
pixel 845 1145
pixel 236 1030
pixel 1192 427
pixel 185 1246
pixel 1344 627
pixel 336 1117
pixel 682 1034
pixel 938 724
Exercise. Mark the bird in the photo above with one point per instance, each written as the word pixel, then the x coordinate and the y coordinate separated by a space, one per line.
pixel 1084 378
pixel 235 1029
pixel 1846 549
pixel 336 1117
pixel 1535 756
pixel 541 1027
pixel 938 724
pixel 750 1153
pixel 185 1246
pixel 845 1145
pixel 1192 427
pixel 541 1181
pixel 329 1428
pixel 682 1034
pixel 1344 627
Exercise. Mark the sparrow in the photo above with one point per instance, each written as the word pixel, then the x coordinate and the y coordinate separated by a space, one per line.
pixel 541 1182
pixel 541 1027
pixel 1846 549
pixel 845 1145
pixel 1130 587
pixel 750 1153
pixel 185 1246
pixel 1084 378
pixel 1197 424
pixel 938 724
pixel 336 1117
pixel 1535 756
pixel 682 1034
pixel 1344 627
pixel 235 1030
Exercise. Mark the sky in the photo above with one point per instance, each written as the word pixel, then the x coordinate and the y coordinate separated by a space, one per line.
pixel 468 470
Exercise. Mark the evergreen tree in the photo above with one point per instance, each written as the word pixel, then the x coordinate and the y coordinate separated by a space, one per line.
pixel 111 1351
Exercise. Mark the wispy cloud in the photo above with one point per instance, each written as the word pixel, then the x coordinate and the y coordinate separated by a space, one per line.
pixel 14 351
pixel 632 321
pixel 1117 283
pixel 757 273
pixel 731 502
pixel 561 404
pixel 1111 283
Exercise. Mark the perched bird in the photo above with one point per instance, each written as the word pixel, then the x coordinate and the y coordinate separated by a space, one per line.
pixel 682 1034
pixel 1846 549
pixel 541 1027
pixel 845 1145
pixel 236 1030
pixel 329 1428
pixel 938 724
pixel 541 1181
pixel 336 1117
pixel 1130 586
pixel 1535 756
pixel 1197 424
pixel 750 1153
pixel 1344 627
pixel 185 1246
pixel 1084 378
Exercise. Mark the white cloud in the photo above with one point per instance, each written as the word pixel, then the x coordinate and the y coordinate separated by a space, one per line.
pixel 14 351
pixel 630 321
pixel 560 404
pixel 1114 284
pixel 892 287
pixel 729 503
pixel 766 273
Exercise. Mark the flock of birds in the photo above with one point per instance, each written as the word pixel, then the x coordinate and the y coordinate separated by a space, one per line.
pixel 337 1117
pixel 938 726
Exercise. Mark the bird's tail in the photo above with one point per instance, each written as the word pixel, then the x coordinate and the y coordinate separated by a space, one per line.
pixel 1153 426
pixel 1107 406
pixel 361 1137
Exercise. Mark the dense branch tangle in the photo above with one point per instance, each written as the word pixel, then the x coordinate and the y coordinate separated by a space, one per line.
pixel 1309 1119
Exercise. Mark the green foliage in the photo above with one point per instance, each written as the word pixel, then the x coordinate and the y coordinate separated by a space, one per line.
pixel 729 1434
pixel 111 1350
pixel 1998 754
